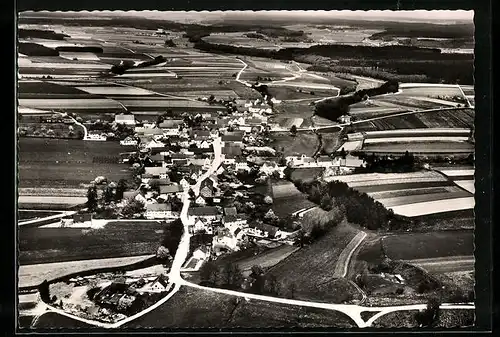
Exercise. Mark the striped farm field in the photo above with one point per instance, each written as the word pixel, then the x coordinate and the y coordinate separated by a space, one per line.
pixel 427 148
pixel 468 185
pixel 412 192
pixel 61 103
pixel 436 206
pixel 415 199
pixel 114 90
pixel 372 179
pixel 416 139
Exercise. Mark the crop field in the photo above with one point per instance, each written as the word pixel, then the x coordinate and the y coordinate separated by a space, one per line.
pixel 267 259
pixel 24 215
pixel 453 264
pixel 74 103
pixel 32 275
pixel 411 246
pixel 67 163
pixel 285 206
pixel 302 143
pixel 311 268
pixel 430 90
pixel 442 147
pixel 198 308
pixel 44 245
pixel 412 194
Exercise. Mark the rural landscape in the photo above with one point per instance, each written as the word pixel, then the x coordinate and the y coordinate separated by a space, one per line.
pixel 228 170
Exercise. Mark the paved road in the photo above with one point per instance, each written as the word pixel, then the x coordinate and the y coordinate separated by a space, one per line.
pixel 346 254
pixel 43 220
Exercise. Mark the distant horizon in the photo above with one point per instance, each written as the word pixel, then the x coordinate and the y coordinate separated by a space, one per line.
pixel 375 15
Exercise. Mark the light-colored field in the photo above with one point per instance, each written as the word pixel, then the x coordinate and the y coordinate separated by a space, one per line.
pixel 79 56
pixel 285 190
pixel 421 147
pixel 415 199
pixel 448 132
pixel 410 192
pixel 57 192
pixel 468 185
pixel 31 111
pixel 450 264
pixel 437 206
pixel 31 275
pixel 66 200
pixel 76 103
pixel 27 64
pixel 460 172
pixel 109 90
pixel 415 139
pixel 386 178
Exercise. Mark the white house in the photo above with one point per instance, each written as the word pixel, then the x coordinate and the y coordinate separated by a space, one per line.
pixel 241 164
pixel 96 136
pixel 234 221
pixel 158 211
pixel 139 197
pixel 184 184
pixel 159 285
pixel 129 141
pixel 154 144
pixel 202 225
pixel 125 119
pixel 200 201
pixel 225 241
pixel 204 144
pixel 201 253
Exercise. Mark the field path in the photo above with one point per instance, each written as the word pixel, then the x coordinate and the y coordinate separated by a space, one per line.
pixel 346 254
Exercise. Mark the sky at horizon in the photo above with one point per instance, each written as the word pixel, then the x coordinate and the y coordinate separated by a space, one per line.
pixel 386 15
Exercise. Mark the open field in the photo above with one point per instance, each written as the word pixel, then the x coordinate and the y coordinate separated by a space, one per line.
pixel 421 148
pixel 306 174
pixel 267 259
pixel 452 264
pixel 312 268
pixel 411 194
pixel 411 246
pixel 71 103
pixel 460 318
pixel 32 275
pixel 302 143
pixel 68 163
pixel 43 245
pixel 193 308
pixel 460 118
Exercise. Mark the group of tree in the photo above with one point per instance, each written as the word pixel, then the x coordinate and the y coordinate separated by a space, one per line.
pixel 228 276
pixel 359 207
pixel 385 164
pixel 172 236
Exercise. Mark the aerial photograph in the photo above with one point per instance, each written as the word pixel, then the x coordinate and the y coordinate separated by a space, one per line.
pixel 248 170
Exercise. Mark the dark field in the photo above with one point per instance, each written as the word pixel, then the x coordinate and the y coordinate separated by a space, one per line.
pixel 302 143
pixel 43 87
pixel 285 206
pixel 306 174
pixel 52 320
pixel 45 245
pixel 28 215
pixel 193 308
pixel 463 118
pixel 68 163
pixel 429 245
pixel 312 268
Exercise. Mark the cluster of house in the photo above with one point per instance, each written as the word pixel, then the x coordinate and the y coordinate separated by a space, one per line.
pixel 229 228
pixel 125 295
pixel 337 164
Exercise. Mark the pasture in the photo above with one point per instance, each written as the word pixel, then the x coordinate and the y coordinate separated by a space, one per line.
pixel 34 274
pixel 44 245
pixel 303 143
pixel 311 268
pixel 68 163
pixel 197 308
pixel 430 245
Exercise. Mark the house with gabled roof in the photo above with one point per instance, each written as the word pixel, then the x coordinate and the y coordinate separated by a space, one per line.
pixel 202 253
pixel 237 220
pixel 159 285
pixel 157 172
pixel 201 225
pixel 172 189
pixel 200 200
pixel 235 140
pixel 206 212
pixel 158 211
pixel 125 119
pixel 241 164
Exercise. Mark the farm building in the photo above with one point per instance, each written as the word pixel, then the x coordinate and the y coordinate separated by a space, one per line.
pixel 206 212
pixel 158 211
pixel 201 253
pixel 159 285
pixel 173 189
pixel 157 172
pixel 125 119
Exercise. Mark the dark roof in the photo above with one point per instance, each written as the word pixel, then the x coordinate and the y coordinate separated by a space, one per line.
pixel 157 157
pixel 165 189
pixel 160 181
pixel 162 279
pixel 267 228
pixel 155 150
pixel 232 150
pixel 264 190
pixel 200 151
pixel 178 156
pixel 158 207
pixel 201 133
pixel 201 211
pixel 231 138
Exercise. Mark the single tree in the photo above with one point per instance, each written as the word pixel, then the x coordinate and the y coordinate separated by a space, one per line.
pixel 292 288
pixel 430 315
pixel 210 273
pixel 132 208
pixel 191 193
pixel 92 198
pixel 120 188
pixel 293 130
pixel 163 253
pixel 109 194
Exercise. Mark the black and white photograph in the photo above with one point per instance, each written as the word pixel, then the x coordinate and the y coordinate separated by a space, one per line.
pixel 245 169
